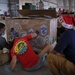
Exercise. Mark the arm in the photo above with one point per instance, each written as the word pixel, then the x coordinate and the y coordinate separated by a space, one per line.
pixel 54 52
pixel 14 57
pixel 59 48
pixel 31 36
pixel 13 63
pixel 47 49
pixel 34 35
pixel 61 45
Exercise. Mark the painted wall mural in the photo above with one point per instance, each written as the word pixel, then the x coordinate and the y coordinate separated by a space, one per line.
pixel 47 30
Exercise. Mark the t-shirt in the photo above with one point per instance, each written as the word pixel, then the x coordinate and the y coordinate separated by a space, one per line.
pixel 3 43
pixel 59 32
pixel 66 45
pixel 24 52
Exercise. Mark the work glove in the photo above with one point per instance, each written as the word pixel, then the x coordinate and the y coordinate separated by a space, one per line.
pixel 7 69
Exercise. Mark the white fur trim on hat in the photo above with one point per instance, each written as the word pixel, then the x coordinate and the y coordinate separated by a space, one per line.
pixel 68 26
pixel 63 23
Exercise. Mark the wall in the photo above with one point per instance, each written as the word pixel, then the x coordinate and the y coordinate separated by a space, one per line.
pixel 3 6
pixel 60 3
pixel 71 4
pixel 51 3
pixel 64 4
pixel 22 2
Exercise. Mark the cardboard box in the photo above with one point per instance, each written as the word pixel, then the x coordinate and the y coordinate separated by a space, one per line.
pixel 2 17
pixel 4 58
pixel 46 27
pixel 51 12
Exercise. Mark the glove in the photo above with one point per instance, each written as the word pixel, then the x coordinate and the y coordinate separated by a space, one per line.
pixel 37 32
pixel 44 57
pixel 7 69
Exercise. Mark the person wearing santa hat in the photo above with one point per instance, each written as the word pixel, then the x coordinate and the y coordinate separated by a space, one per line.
pixel 61 58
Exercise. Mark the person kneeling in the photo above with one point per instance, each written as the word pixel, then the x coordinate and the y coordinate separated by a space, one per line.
pixel 23 51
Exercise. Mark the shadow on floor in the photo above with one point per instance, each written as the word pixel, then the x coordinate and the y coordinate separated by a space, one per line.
pixel 19 71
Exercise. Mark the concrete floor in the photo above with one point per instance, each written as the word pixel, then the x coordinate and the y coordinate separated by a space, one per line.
pixel 19 71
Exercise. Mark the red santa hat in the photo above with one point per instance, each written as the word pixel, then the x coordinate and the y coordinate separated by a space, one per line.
pixel 66 21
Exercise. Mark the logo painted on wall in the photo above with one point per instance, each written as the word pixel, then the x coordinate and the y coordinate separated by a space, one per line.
pixel 43 30
pixel 25 22
pixel 20 47
pixel 30 31
pixel 40 42
pixel 47 39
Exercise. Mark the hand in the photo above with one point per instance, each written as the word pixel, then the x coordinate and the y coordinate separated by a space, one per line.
pixel 7 69
pixel 44 57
